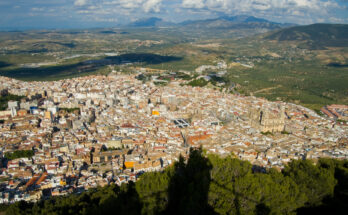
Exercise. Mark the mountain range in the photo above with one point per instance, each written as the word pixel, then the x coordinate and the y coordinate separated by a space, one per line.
pixel 328 33
pixel 150 22
pixel 315 36
pixel 223 22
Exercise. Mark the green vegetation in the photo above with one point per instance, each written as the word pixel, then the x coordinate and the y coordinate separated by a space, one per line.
pixel 105 149
pixel 285 132
pixel 4 179
pixel 341 120
pixel 213 185
pixel 305 65
pixel 3 208
pixel 267 133
pixel 160 83
pixel 106 200
pixel 183 76
pixel 316 36
pixel 19 154
pixel 70 110
pixel 316 183
pixel 5 99
pixel 198 83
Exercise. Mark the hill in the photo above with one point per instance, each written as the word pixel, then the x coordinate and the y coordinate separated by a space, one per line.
pixel 225 23
pixel 234 22
pixel 278 68
pixel 150 22
pixel 316 36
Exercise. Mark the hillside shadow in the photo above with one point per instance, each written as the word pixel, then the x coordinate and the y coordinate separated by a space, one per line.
pixel 127 202
pixel 189 186
pixel 147 58
pixel 112 199
pixel 85 67
pixel 67 45
pixel 4 64
pixel 337 65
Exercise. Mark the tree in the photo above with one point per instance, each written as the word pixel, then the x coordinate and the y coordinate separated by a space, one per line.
pixel 212 185
pixel 19 208
pixel 230 177
pixel 153 191
pixel 19 154
pixel 280 193
pixel 314 181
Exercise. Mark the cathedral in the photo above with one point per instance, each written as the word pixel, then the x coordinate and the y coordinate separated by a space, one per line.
pixel 267 119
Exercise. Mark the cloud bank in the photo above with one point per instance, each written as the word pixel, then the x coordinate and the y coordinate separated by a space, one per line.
pixel 117 12
pixel 300 11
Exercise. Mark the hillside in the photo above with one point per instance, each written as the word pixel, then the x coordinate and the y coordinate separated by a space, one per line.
pixel 304 71
pixel 219 22
pixel 233 22
pixel 150 22
pixel 316 36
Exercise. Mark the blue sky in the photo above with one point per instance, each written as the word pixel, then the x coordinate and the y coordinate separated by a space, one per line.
pixel 27 14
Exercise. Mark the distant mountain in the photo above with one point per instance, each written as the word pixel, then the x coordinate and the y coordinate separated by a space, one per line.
pixel 235 19
pixel 234 22
pixel 316 36
pixel 150 22
pixel 221 27
pixel 223 22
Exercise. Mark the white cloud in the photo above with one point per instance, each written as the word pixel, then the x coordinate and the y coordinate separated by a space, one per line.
pixel 129 4
pixel 124 6
pixel 152 5
pixel 193 3
pixel 38 9
pixel 98 19
pixel 297 11
pixel 289 9
pixel 227 5
pixel 80 2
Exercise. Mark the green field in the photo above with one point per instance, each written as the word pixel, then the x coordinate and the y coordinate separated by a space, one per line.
pixel 284 67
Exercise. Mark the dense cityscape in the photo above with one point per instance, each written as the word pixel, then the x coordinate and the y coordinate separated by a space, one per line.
pixel 159 107
pixel 71 135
